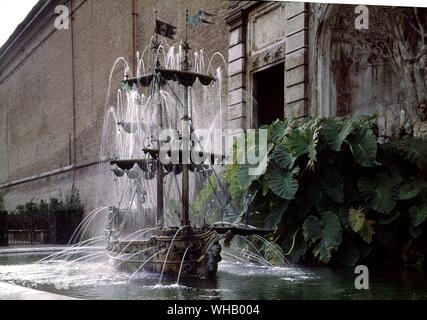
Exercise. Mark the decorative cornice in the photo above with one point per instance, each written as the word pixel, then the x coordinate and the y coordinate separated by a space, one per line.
pixel 236 12
pixel 41 14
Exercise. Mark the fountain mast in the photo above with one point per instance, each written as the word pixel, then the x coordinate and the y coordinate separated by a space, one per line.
pixel 201 242
pixel 185 220
pixel 160 175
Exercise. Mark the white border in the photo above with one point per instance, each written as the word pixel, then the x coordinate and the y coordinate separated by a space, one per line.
pixel 397 3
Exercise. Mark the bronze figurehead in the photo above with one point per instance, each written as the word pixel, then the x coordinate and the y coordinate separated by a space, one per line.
pixel 422 111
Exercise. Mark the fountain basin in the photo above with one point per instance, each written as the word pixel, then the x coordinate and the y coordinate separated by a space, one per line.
pixel 235 281
pixel 190 253
pixel 185 78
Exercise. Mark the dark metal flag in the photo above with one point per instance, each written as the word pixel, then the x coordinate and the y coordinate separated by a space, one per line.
pixel 199 18
pixel 165 29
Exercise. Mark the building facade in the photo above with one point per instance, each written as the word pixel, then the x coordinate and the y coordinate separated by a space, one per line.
pixel 284 59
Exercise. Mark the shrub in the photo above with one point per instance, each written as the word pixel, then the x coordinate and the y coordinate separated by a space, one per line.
pixel 333 193
pixel 60 217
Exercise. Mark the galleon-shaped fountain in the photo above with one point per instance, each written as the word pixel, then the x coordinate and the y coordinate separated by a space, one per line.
pixel 184 250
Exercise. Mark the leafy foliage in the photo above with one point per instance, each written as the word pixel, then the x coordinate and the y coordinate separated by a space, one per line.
pixel 304 140
pixel 59 216
pixel 411 149
pixel 378 192
pixel 283 183
pixel 418 215
pixel 325 232
pixel 337 131
pixel 363 144
pixel 333 193
pixel 356 218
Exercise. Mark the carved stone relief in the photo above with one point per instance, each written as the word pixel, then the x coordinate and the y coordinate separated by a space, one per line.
pixel 266 35
pixel 380 70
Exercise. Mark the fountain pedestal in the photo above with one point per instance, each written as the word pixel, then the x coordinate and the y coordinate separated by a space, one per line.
pixel 191 252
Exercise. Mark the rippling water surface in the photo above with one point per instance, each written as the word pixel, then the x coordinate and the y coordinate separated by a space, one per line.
pixel 99 280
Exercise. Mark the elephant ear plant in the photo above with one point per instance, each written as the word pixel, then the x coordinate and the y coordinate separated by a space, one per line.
pixel 333 193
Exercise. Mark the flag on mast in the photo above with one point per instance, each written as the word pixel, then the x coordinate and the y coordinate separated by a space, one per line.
pixel 199 18
pixel 165 29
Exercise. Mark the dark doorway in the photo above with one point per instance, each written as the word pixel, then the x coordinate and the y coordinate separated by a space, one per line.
pixel 269 93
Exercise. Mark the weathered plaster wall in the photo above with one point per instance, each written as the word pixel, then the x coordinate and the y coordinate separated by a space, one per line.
pixel 358 72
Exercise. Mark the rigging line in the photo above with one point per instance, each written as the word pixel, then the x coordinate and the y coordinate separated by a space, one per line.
pixel 127 187
pixel 176 96
pixel 180 194
pixel 223 190
pixel 122 225
pixel 219 180
pixel 216 196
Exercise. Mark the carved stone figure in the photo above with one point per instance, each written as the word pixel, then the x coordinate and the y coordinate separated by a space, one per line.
pixel 420 125
pixel 214 257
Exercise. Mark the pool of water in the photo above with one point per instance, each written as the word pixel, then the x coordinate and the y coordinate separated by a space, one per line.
pixel 99 280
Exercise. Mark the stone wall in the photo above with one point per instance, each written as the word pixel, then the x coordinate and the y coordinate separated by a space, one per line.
pixel 53 85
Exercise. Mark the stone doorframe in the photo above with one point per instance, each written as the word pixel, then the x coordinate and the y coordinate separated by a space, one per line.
pixel 248 55
pixel 322 91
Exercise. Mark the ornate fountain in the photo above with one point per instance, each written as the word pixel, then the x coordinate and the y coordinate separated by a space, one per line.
pixel 185 250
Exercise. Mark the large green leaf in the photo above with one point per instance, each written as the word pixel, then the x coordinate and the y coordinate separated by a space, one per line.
pixel 361 225
pixel 332 184
pixel 408 191
pixel 416 232
pixel 367 231
pixel 409 148
pixel 304 140
pixel 418 214
pixel 244 178
pixel 281 156
pixel 335 132
pixel 283 183
pixel 378 192
pixel 356 218
pixel 363 144
pixel 279 129
pixel 277 209
pixel 326 232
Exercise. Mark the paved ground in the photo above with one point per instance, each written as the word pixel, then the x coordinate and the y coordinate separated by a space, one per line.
pixel 29 248
pixel 12 292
